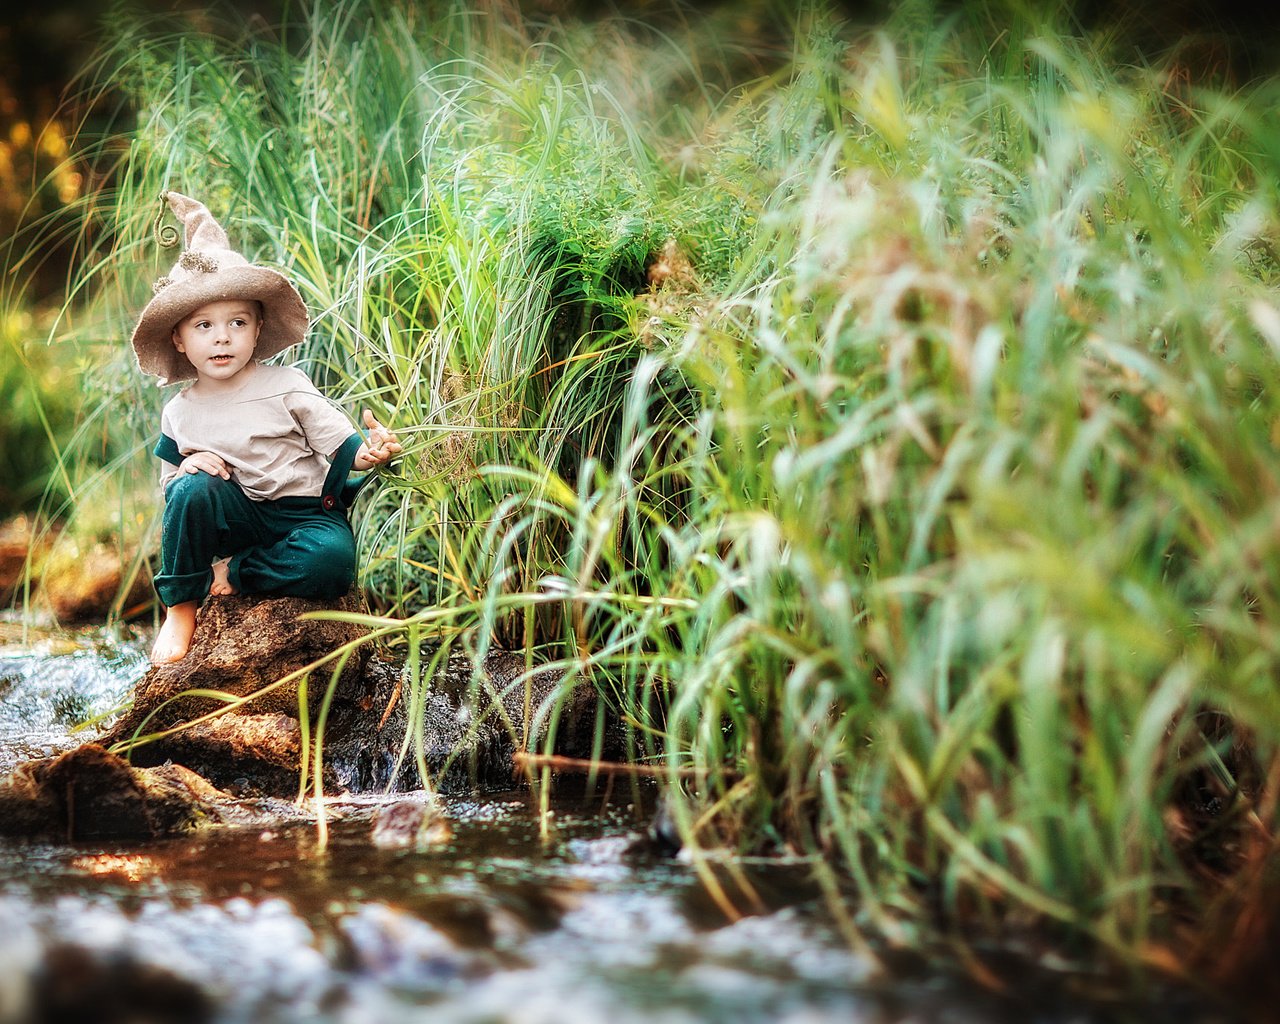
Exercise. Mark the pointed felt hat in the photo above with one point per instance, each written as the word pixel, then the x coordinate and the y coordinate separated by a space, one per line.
pixel 209 270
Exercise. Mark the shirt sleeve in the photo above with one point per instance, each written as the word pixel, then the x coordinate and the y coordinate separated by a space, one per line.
pixel 167 469
pixel 324 424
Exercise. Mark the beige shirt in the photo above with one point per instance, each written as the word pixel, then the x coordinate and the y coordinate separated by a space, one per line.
pixel 276 432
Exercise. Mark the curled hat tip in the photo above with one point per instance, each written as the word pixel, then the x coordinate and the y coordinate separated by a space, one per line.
pixel 202 231
pixel 180 204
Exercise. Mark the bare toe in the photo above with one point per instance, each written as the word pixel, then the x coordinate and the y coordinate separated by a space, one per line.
pixel 221 585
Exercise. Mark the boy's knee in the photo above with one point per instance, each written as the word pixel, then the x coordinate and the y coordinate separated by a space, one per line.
pixel 331 562
pixel 193 488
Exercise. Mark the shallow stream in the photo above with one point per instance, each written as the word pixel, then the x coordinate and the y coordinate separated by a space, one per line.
pixel 503 921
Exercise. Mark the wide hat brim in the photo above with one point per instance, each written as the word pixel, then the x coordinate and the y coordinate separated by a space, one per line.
pixel 284 321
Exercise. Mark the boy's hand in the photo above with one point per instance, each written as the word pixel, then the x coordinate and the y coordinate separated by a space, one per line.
pixel 205 462
pixel 381 445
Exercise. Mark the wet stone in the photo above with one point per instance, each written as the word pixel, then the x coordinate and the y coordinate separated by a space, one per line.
pixel 412 824
pixel 259 652
pixel 475 720
pixel 76 984
pixel 397 949
pixel 214 736
pixel 90 793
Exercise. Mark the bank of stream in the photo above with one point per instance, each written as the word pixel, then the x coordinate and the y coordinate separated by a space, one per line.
pixel 505 918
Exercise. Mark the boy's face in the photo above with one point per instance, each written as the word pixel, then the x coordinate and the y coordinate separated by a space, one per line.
pixel 219 337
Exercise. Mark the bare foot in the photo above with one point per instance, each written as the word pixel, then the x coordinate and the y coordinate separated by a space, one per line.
pixel 221 585
pixel 175 634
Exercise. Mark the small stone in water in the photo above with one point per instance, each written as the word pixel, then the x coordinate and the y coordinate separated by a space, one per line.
pixel 409 824
pixel 398 949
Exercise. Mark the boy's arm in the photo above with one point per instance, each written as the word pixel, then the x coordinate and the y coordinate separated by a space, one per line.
pixel 205 462
pixel 173 463
pixel 380 447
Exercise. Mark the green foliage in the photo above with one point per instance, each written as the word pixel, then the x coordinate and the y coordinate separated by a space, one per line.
pixel 919 512
pixel 39 394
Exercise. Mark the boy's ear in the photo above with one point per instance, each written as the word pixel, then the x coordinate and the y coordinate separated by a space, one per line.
pixel 177 341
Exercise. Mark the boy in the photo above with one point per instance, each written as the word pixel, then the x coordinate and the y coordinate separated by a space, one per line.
pixel 255 460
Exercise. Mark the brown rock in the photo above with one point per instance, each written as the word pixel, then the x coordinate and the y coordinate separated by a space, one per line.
pixel 474 720
pixel 28 807
pixel 16 540
pixel 410 824
pixel 86 583
pixel 272 738
pixel 260 650
pixel 90 793
pixel 80 983
pixel 1235 941
pixel 248 738
pixel 230 716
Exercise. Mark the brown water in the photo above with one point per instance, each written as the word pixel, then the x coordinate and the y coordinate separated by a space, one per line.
pixel 572 920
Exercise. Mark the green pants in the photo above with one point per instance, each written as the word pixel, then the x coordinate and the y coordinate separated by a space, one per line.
pixel 302 547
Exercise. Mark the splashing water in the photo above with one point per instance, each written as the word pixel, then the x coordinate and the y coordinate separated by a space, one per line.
pixel 53 682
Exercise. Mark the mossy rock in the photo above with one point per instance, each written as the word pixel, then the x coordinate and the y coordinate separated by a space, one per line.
pixel 257 650
pixel 90 793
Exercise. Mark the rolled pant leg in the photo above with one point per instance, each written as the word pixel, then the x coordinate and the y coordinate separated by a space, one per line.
pixel 314 555
pixel 205 517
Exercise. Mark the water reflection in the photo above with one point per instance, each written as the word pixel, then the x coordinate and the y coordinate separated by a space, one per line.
pixel 128 867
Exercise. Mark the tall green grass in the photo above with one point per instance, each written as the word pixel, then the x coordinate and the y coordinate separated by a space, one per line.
pixel 925 513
